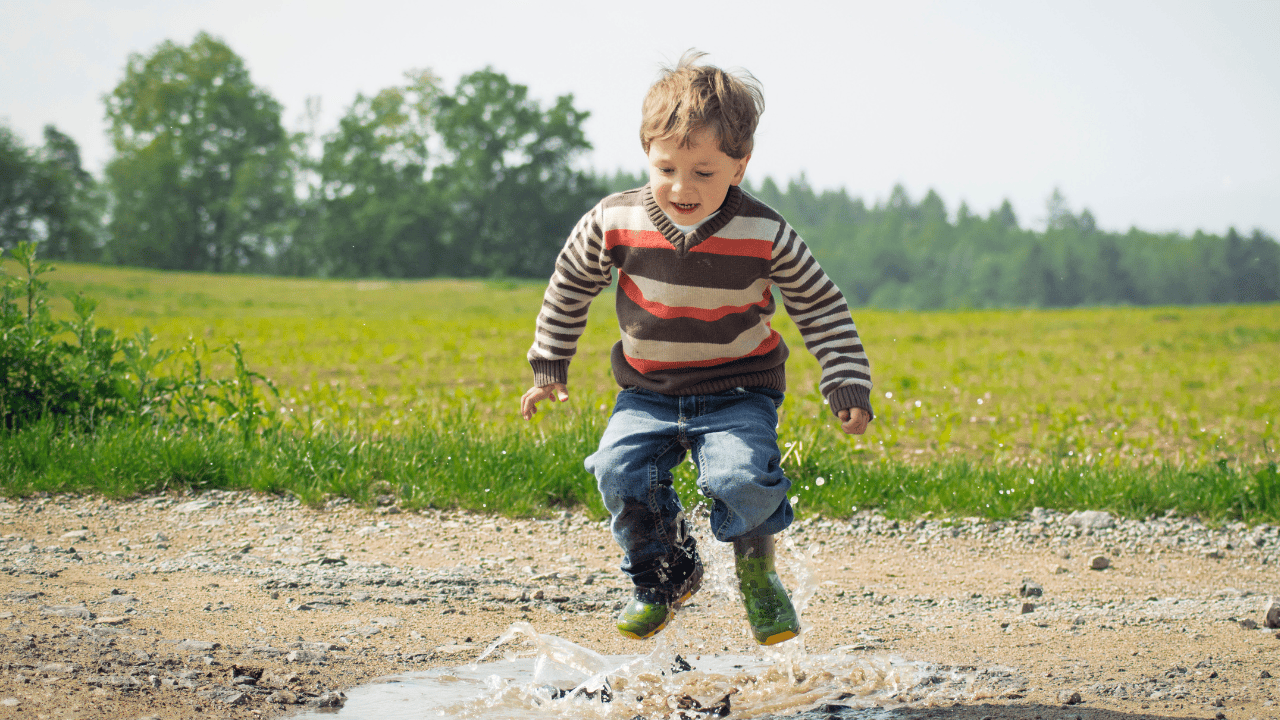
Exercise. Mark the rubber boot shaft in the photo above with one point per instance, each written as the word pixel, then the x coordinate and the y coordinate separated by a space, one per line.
pixel 770 613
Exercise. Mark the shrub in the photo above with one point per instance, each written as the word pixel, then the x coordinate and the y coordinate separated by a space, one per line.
pixel 80 374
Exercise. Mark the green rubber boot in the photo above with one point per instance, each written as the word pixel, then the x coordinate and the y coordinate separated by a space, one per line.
pixel 769 611
pixel 651 609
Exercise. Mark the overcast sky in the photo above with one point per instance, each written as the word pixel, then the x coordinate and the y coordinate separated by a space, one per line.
pixel 1164 114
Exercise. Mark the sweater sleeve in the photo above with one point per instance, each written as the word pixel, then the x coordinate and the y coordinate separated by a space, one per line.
pixel 819 310
pixel 582 270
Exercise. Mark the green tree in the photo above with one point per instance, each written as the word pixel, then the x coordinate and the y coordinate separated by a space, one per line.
pixel 376 212
pixel 507 177
pixel 47 196
pixel 18 169
pixel 202 178
pixel 74 204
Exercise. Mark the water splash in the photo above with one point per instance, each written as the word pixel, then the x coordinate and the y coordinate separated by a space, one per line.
pixel 545 677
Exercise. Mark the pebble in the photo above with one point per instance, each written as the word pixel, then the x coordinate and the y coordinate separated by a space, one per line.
pixel 1100 562
pixel 1271 613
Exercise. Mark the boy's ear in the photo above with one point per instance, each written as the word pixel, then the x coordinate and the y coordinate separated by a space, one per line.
pixel 742 170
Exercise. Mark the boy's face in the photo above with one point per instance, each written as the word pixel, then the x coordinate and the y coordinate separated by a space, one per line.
pixel 691 182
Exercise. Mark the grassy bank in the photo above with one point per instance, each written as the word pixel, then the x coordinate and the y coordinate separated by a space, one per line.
pixel 456 463
pixel 410 389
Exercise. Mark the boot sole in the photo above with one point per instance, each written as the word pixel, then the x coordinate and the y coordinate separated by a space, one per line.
pixel 776 638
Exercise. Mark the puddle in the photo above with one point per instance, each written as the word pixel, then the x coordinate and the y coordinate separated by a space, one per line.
pixel 550 677
pixel 526 674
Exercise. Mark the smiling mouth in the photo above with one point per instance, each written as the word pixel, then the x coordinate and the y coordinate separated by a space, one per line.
pixel 683 208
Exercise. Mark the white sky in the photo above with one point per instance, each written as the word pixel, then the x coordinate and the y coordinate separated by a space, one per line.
pixel 1162 114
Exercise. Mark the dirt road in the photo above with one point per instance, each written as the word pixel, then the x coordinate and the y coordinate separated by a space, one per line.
pixel 238 605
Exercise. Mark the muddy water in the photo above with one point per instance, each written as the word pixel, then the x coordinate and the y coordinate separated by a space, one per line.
pixel 527 674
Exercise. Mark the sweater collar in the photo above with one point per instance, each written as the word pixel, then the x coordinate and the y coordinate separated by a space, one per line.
pixel 684 243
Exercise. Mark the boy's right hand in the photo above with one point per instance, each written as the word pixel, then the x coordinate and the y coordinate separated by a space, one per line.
pixel 534 395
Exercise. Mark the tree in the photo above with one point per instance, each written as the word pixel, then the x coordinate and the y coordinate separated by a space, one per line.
pixel 376 213
pixel 46 196
pixel 18 168
pixel 202 178
pixel 507 182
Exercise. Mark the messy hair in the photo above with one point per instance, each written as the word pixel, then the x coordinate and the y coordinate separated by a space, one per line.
pixel 691 97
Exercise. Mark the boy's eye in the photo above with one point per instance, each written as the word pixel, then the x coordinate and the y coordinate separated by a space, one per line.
pixel 705 174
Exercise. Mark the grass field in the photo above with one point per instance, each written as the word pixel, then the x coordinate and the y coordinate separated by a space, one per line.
pixel 1137 409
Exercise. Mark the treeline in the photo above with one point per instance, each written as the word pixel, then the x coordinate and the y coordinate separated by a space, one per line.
pixel 910 255
pixel 480 180
pixel 417 180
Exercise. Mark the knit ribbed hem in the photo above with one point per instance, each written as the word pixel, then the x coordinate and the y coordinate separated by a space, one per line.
pixel 547 372
pixel 850 396
pixel 775 379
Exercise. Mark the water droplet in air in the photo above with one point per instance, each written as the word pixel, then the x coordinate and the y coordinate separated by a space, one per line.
pixel 819 482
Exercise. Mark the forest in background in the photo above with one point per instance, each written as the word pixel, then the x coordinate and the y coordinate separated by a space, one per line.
pixel 481 180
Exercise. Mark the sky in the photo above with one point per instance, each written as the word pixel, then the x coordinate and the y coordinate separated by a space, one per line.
pixel 1164 115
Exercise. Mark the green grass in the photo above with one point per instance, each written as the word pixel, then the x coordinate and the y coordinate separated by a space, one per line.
pixel 411 389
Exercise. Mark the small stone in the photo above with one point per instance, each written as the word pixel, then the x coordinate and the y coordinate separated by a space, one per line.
pixel 1272 614
pixel 1030 589
pixel 1070 697
pixel 67 611
pixel 1100 562
pixel 1249 624
pixel 198 645
pixel 306 656
pixel 1028 608
pixel 1265 675
pixel 1091 519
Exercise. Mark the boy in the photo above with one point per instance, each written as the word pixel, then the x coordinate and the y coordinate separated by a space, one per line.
pixel 701 368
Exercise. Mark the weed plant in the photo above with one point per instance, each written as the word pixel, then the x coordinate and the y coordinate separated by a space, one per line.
pixel 409 390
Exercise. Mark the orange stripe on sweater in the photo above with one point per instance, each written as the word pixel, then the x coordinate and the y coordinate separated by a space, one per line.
pixel 752 247
pixel 637 239
pixel 648 366
pixel 667 312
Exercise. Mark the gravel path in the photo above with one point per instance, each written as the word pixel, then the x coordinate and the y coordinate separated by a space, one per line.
pixel 244 606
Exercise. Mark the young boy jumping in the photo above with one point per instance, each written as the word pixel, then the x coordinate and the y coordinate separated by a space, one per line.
pixel 701 368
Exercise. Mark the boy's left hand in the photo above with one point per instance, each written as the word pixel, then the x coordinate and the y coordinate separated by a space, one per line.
pixel 854 421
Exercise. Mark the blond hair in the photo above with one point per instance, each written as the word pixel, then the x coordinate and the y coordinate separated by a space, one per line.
pixel 691 97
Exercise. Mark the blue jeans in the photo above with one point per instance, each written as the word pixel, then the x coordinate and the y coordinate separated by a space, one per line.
pixel 734 440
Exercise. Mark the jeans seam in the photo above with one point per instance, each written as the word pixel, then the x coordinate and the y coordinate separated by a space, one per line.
pixel 661 530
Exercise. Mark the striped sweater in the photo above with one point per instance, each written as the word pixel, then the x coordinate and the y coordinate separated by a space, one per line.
pixel 695 310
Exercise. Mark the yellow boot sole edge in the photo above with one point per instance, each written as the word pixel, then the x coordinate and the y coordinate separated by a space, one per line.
pixel 783 636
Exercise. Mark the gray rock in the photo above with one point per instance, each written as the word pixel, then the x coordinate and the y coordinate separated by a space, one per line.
pixel 67 611
pixel 1030 589
pixel 1271 613
pixel 1100 562
pixel 1070 697
pixel 1091 519
pixel 198 645
pixel 328 700
pixel 226 696
pixel 310 657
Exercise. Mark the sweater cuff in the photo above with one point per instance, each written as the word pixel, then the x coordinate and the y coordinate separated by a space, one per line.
pixel 850 396
pixel 546 372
